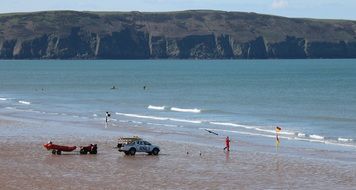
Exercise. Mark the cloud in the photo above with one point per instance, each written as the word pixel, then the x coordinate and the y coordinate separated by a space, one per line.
pixel 279 4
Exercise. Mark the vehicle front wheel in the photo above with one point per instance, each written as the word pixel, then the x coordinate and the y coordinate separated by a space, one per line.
pixel 54 152
pixel 132 151
pixel 155 151
pixel 83 151
pixel 59 152
pixel 127 153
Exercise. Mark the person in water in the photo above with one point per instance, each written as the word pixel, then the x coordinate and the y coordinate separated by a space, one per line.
pixel 113 88
pixel 227 144
pixel 144 87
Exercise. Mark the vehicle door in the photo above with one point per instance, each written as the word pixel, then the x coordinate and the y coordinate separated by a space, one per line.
pixel 148 146
pixel 141 146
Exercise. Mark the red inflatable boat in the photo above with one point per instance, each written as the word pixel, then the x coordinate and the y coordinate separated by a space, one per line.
pixel 57 149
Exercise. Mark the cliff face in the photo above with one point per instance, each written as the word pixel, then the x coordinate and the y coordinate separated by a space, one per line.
pixel 180 35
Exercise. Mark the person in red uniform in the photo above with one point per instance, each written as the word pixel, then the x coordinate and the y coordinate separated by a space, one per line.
pixel 227 143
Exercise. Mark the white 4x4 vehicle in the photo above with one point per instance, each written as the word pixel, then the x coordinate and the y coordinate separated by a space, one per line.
pixel 139 146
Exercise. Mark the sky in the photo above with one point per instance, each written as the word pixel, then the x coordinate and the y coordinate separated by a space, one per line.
pixel 326 9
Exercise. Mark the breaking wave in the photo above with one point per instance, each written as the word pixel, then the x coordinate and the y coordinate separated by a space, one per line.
pixel 156 107
pixel 24 102
pixel 318 137
pixel 195 110
pixel 159 118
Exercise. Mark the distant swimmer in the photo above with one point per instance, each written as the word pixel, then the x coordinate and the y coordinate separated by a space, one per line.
pixel 212 132
pixel 113 87
pixel 144 87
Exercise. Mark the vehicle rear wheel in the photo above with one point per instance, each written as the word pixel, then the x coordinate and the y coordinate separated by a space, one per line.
pixel 132 151
pixel 59 152
pixel 83 151
pixel 54 152
pixel 127 153
pixel 93 152
pixel 155 151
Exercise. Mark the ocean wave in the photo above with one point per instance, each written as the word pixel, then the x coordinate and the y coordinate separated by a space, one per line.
pixel 257 128
pixel 142 116
pixel 159 118
pixel 318 137
pixel 240 132
pixel 231 125
pixel 3 99
pixel 344 139
pixel 248 130
pixel 185 120
pixel 195 110
pixel 156 107
pixel 24 102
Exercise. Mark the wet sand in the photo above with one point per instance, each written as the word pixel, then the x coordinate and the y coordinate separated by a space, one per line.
pixel 25 164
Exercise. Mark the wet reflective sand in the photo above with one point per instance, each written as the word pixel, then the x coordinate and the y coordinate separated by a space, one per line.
pixel 25 164
pixel 28 166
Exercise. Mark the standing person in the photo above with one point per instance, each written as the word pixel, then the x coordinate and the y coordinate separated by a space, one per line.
pixel 278 129
pixel 106 118
pixel 227 143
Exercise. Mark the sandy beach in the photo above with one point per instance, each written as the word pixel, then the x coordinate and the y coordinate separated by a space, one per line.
pixel 25 164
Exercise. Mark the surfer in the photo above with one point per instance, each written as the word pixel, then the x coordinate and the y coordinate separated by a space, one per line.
pixel 227 144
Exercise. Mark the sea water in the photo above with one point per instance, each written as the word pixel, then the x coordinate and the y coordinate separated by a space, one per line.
pixel 311 100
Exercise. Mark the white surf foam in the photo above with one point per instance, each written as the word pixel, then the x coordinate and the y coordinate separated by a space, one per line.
pixel 344 140
pixel 156 107
pixel 231 125
pixel 185 120
pixel 240 132
pixel 272 136
pixel 257 128
pixel 318 137
pixel 24 102
pixel 340 144
pixel 3 99
pixel 195 110
pixel 301 135
pixel 94 115
pixel 159 118
pixel 142 116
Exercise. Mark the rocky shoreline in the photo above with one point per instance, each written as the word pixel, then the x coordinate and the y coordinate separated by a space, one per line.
pixel 172 35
